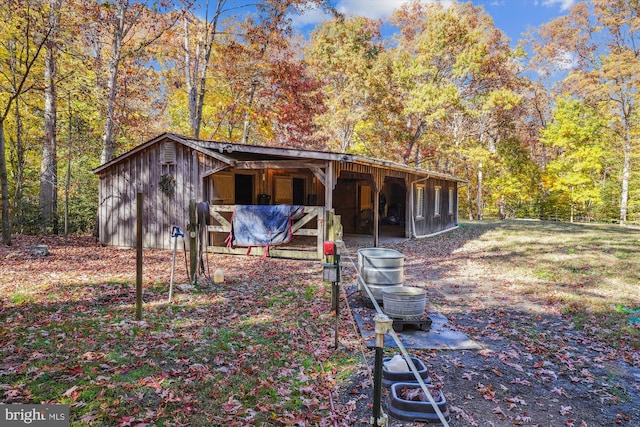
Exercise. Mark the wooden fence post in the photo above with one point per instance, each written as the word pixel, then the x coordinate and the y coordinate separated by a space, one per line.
pixel 193 242
pixel 139 212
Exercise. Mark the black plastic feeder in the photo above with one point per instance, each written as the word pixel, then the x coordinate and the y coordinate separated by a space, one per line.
pixel 390 377
pixel 415 411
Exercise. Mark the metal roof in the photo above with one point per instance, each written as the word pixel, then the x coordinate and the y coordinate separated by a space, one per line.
pixel 230 152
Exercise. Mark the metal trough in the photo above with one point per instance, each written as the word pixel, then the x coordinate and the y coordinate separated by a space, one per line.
pixel 380 268
pixel 404 302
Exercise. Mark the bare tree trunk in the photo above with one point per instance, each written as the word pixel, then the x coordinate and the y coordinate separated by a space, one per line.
pixel 67 180
pixel 469 203
pixel 479 191
pixel 19 167
pixel 196 105
pixel 277 18
pixel 108 140
pixel 48 198
pixel 192 90
pixel 6 225
pixel 626 167
pixel 469 199
pixel 247 119
pixel 16 91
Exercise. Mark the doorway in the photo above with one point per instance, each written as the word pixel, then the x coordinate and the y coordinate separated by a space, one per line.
pixel 243 189
pixel 393 217
pixel 299 191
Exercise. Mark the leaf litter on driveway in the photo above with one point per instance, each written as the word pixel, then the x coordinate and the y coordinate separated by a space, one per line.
pixel 257 350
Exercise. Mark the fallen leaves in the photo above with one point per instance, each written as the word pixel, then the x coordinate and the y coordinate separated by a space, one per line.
pixel 249 352
pixel 535 356
pixel 488 391
pixel 254 351
pixel 565 410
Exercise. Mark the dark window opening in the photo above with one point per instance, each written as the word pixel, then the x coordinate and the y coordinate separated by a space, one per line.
pixel 244 189
pixel 298 191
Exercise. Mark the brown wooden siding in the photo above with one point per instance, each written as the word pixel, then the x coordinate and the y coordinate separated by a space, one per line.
pixel 142 172
pixel 432 222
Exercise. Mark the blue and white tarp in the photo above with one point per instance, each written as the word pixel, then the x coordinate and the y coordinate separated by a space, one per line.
pixel 263 225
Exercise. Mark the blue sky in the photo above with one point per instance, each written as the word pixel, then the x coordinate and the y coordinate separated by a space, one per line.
pixel 513 17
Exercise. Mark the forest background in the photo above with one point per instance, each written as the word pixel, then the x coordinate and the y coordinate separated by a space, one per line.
pixel 546 128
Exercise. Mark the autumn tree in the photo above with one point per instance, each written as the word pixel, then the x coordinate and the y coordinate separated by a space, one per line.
pixel 79 128
pixel 296 99
pixel 342 54
pixel 458 80
pixel 574 176
pixel 202 33
pixel 452 62
pixel 235 70
pixel 48 199
pixel 20 48
pixel 117 30
pixel 597 46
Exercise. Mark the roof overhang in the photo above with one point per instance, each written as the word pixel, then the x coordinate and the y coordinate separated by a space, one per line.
pixel 165 136
pixel 243 156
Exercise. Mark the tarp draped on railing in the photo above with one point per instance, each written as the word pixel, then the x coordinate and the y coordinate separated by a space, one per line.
pixel 302 221
pixel 263 225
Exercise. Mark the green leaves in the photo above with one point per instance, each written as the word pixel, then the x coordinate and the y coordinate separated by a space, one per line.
pixel 342 54
pixel 580 137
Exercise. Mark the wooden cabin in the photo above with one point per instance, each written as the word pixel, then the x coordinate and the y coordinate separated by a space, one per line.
pixel 370 196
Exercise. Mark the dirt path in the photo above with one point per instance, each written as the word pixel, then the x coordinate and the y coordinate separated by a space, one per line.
pixel 549 356
pixel 536 367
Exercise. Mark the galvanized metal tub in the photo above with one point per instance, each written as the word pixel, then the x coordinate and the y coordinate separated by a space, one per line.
pixel 379 268
pixel 404 302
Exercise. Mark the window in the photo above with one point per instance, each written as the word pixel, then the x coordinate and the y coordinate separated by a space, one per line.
pixel 436 202
pixel 283 189
pixel 420 201
pixel 451 201
pixel 168 153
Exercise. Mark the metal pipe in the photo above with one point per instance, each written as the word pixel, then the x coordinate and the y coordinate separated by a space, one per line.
pixel 404 352
pixel 382 325
pixel 175 233
pixel 173 266
pixel 377 386
pixel 336 287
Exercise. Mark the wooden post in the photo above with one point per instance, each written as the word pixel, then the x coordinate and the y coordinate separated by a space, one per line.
pixel 139 206
pixel 193 242
pixel 376 218
pixel 331 236
pixel 479 191
pixel 336 292
pixel 331 232
pixel 328 186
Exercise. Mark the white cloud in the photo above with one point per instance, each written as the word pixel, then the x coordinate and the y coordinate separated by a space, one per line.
pixel 371 9
pixel 566 61
pixel 564 4
pixel 375 9
pixel 310 17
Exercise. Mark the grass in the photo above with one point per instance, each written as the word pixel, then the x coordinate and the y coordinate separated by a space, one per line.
pixel 259 348
pixel 585 271
pixel 245 350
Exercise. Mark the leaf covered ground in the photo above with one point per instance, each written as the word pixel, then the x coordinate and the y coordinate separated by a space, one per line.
pixel 544 301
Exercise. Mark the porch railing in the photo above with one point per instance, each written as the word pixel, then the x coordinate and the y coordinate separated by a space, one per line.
pixel 309 229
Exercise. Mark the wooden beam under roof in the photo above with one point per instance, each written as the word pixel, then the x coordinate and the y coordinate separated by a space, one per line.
pixel 279 164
